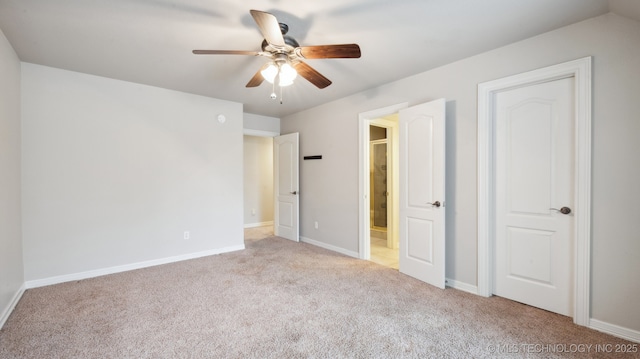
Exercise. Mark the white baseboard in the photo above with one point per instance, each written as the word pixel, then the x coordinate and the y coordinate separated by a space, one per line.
pixel 259 224
pixel 615 330
pixel 127 267
pixel 12 304
pixel 461 286
pixel 330 247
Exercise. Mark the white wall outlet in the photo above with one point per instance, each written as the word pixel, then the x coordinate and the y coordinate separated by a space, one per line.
pixel 316 224
pixel 253 211
pixel 186 234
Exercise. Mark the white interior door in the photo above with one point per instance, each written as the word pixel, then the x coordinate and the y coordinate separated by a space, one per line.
pixel 285 163
pixel 422 189
pixel 534 192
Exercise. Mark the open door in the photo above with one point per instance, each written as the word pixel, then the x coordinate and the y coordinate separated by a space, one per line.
pixel 285 171
pixel 422 189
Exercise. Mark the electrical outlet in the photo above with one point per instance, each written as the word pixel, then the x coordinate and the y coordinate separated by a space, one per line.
pixel 186 234
pixel 316 224
pixel 253 212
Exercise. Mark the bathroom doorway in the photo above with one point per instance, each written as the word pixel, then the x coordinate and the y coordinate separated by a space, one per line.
pixel 383 246
pixel 382 237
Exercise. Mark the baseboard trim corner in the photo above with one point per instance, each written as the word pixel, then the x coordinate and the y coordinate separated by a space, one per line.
pixel 615 330
pixel 127 267
pixel 465 287
pixel 330 247
pixel 12 304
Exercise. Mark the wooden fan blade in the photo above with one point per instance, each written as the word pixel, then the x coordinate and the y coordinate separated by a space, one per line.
pixel 344 51
pixel 311 75
pixel 225 52
pixel 269 27
pixel 257 79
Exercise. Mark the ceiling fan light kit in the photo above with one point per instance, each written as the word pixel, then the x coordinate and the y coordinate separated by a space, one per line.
pixel 286 75
pixel 270 72
pixel 280 69
pixel 286 55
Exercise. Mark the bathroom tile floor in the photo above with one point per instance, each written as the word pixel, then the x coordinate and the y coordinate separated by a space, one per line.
pixel 382 255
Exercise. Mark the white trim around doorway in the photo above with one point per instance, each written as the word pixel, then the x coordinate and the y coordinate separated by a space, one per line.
pixel 580 70
pixel 364 120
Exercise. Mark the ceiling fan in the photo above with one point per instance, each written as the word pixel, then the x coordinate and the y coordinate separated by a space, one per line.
pixel 286 54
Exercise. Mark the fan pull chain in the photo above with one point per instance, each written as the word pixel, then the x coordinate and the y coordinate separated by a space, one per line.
pixel 273 91
pixel 280 95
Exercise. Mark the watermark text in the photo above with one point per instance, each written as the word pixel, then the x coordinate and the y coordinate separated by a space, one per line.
pixel 533 348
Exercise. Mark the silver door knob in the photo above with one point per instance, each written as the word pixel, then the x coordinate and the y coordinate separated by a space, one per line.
pixel 563 210
pixel 435 204
pixel 294 192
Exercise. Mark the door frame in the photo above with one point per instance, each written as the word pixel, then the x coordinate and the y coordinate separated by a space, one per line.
pixel 580 70
pixel 365 119
pixel 265 134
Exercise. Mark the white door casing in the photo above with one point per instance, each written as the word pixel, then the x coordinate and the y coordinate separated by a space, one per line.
pixel 580 71
pixel 534 178
pixel 286 177
pixel 422 190
pixel 366 119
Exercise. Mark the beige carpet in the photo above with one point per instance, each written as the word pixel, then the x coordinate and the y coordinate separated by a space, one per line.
pixel 280 299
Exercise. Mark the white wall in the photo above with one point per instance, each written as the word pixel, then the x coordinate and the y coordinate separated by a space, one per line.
pixel 114 173
pixel 258 180
pixel 331 188
pixel 11 266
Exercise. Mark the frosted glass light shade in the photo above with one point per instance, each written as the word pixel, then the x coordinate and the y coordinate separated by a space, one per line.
pixel 270 72
pixel 287 75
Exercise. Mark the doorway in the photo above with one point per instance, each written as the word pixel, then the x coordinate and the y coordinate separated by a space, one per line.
pixel 379 231
pixel 383 244
pixel 271 183
pixel 258 181
pixel 417 144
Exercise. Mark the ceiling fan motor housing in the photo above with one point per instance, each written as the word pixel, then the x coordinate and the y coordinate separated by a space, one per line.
pixel 288 40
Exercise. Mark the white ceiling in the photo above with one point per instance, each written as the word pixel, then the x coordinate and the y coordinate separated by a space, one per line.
pixel 150 41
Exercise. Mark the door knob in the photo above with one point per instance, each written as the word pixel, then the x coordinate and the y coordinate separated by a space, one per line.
pixel 435 204
pixel 563 210
pixel 294 192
